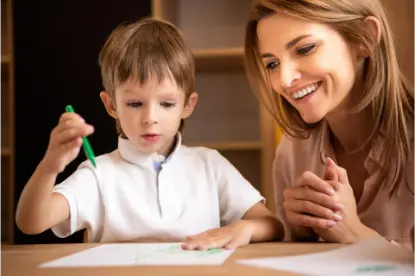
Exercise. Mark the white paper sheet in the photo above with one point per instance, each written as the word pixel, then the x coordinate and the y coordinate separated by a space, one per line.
pixel 372 257
pixel 133 254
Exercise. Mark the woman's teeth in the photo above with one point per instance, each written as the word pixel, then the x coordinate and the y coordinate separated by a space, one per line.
pixel 305 91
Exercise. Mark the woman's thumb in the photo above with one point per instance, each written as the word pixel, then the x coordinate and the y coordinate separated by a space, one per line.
pixel 330 170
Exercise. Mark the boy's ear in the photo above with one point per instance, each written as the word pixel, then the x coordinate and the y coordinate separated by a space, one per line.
pixel 190 106
pixel 109 104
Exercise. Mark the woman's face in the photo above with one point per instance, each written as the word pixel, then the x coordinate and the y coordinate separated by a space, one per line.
pixel 309 64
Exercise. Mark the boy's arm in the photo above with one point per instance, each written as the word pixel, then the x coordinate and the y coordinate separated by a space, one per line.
pixel 39 209
pixel 242 211
pixel 265 226
pixel 239 200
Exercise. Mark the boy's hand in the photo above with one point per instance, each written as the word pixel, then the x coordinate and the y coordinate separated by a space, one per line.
pixel 65 142
pixel 230 237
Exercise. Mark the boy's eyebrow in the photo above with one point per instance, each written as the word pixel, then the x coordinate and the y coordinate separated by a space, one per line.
pixel 170 94
pixel 129 91
pixel 164 93
pixel 289 45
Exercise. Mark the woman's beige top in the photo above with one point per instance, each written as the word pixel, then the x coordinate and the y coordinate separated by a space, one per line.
pixel 393 219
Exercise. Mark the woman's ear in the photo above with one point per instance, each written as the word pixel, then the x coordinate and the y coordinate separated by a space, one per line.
pixel 372 25
pixel 109 104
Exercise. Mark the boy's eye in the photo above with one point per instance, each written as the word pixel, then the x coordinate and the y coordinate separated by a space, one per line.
pixel 167 105
pixel 271 65
pixel 306 50
pixel 134 104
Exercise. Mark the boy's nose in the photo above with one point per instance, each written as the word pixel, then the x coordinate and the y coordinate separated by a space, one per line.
pixel 150 117
pixel 149 121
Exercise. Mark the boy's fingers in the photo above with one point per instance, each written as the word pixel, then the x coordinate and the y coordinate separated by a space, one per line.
pixel 73 144
pixel 71 116
pixel 72 133
pixel 71 124
pixel 231 245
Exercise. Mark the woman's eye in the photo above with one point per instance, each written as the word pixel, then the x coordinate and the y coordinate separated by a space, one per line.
pixel 135 104
pixel 271 65
pixel 166 104
pixel 306 50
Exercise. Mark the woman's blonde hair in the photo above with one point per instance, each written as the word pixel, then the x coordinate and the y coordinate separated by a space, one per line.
pixel 386 91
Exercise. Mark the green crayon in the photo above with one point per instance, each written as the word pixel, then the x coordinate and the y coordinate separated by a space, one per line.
pixel 85 143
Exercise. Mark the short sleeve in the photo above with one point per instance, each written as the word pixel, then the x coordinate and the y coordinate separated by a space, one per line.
pixel 236 194
pixel 81 190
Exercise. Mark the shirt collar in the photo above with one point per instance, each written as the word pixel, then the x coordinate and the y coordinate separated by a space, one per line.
pixel 129 152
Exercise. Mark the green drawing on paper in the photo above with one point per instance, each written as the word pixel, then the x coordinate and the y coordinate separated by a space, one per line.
pixel 210 251
pixel 376 268
pixel 176 249
pixel 139 256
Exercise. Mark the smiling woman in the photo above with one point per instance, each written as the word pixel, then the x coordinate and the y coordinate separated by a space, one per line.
pixel 328 72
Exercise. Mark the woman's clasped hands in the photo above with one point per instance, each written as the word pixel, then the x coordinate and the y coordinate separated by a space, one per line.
pixel 324 207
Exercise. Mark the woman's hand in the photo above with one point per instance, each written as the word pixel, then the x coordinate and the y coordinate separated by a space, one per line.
pixel 311 204
pixel 350 229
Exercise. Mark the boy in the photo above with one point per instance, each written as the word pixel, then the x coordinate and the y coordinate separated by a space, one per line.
pixel 151 188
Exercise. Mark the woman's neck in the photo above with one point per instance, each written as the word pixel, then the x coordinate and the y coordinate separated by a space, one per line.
pixel 350 130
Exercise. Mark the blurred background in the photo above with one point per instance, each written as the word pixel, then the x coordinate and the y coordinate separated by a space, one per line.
pixel 50 59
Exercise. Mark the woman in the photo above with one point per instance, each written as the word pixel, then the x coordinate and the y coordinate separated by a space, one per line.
pixel 328 72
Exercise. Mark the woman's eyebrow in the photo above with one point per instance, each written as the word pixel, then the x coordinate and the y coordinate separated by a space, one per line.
pixel 289 45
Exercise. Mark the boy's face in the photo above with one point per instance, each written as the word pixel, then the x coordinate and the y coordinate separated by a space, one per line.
pixel 150 114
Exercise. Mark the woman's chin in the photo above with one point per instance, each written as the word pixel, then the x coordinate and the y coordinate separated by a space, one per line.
pixel 312 118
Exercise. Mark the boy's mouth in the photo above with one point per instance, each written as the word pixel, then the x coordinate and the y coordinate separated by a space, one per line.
pixel 150 137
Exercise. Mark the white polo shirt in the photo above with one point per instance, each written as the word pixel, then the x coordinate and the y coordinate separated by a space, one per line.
pixel 125 198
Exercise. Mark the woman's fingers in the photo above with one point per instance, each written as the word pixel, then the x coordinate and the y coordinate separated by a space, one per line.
pixel 307 194
pixel 313 201
pixel 310 180
pixel 308 207
pixel 309 221
pixel 330 172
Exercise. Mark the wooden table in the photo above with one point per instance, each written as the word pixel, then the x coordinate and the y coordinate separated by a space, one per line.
pixel 23 260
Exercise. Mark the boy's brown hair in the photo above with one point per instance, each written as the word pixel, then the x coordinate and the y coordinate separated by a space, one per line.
pixel 146 48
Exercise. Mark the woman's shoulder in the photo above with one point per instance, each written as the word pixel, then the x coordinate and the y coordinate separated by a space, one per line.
pixel 296 155
pixel 301 147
